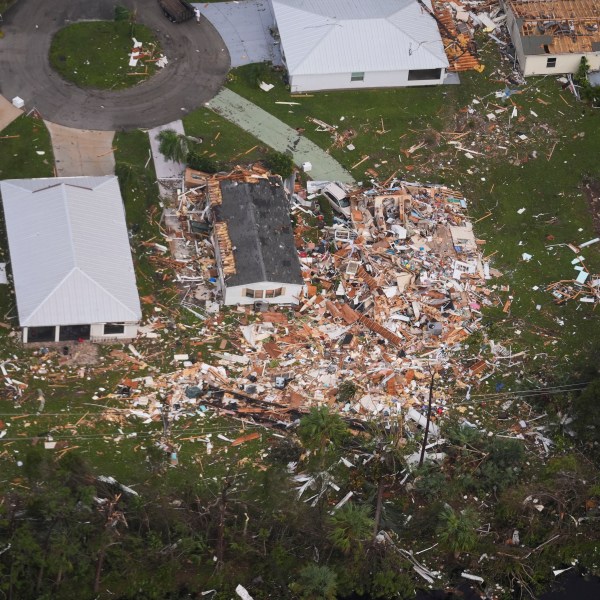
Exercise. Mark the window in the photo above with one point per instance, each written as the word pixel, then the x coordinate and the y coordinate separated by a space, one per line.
pixel 550 63
pixel 270 294
pixel 249 293
pixel 358 76
pixel 258 294
pixel 41 334
pixel 424 74
pixel 114 328
pixel 73 333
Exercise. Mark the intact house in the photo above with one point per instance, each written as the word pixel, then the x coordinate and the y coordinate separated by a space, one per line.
pixel 71 260
pixel 358 44
pixel 254 242
pixel 551 36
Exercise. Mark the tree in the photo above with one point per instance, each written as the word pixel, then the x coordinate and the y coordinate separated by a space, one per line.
pixel 315 582
pixel 202 163
pixel 457 530
pixel 280 163
pixel 586 417
pixel 172 145
pixel 350 527
pixel 320 429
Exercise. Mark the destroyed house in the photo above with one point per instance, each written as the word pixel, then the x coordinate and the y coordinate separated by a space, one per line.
pixel 71 260
pixel 254 243
pixel 358 44
pixel 551 36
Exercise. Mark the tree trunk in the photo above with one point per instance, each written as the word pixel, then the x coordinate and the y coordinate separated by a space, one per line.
pixel 380 488
pixel 99 565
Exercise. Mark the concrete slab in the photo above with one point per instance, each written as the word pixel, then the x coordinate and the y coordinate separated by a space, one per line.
pixel 165 169
pixel 245 29
pixel 278 135
pixel 8 113
pixel 81 151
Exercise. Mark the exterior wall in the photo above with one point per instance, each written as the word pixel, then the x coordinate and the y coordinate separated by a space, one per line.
pixel 565 63
pixel 341 81
pixel 96 333
pixel 237 294
pixel 535 64
pixel 515 36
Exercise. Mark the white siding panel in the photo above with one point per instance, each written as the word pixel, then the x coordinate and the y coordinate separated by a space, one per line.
pixel 342 81
pixel 236 295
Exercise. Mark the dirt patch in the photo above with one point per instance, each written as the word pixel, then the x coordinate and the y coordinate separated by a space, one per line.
pixel 81 354
pixel 591 188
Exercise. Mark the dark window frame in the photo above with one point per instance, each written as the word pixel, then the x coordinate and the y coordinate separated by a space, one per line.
pixel 424 74
pixel 114 328
pixel 551 63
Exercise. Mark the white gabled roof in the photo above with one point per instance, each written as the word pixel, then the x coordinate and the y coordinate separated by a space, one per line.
pixel 345 36
pixel 69 251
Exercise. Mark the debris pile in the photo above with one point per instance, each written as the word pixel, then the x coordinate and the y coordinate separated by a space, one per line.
pixel 388 293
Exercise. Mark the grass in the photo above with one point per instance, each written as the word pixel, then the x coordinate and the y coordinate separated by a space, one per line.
pixel 105 62
pixel 222 141
pixel 26 150
pixel 543 174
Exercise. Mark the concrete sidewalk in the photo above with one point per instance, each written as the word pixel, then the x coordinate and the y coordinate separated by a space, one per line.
pixel 278 135
pixel 165 169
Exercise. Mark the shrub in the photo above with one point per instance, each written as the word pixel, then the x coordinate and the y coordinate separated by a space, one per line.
pixel 280 163
pixel 202 163
pixel 122 13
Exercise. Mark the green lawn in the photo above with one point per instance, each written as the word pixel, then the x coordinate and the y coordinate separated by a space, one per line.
pixel 96 54
pixel 222 141
pixel 25 150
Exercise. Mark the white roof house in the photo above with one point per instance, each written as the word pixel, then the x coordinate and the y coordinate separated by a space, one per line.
pixel 350 44
pixel 70 258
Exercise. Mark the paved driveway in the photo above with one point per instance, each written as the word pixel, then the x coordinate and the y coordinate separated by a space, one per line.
pixel 198 64
pixel 245 28
pixel 81 151
pixel 8 113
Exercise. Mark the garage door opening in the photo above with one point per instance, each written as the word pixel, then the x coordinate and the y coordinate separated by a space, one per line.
pixel 71 333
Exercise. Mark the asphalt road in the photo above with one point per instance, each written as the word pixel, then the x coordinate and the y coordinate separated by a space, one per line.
pixel 198 64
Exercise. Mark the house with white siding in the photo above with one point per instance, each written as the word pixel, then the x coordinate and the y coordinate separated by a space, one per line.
pixel 254 243
pixel 551 36
pixel 70 259
pixel 359 44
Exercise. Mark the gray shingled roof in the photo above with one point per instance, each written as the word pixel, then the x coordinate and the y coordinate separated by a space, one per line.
pixel 260 229
pixel 69 251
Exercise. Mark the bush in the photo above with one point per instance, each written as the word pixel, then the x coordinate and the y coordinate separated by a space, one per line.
pixel 346 391
pixel 502 466
pixel 202 163
pixel 122 13
pixel 280 163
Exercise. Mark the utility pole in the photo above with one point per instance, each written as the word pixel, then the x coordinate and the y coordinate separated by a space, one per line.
pixel 422 458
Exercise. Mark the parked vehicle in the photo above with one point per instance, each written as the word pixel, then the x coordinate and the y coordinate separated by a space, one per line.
pixel 338 199
pixel 177 11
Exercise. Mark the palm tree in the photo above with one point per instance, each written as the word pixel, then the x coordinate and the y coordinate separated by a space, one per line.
pixel 172 145
pixel 457 530
pixel 315 583
pixel 320 428
pixel 350 527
